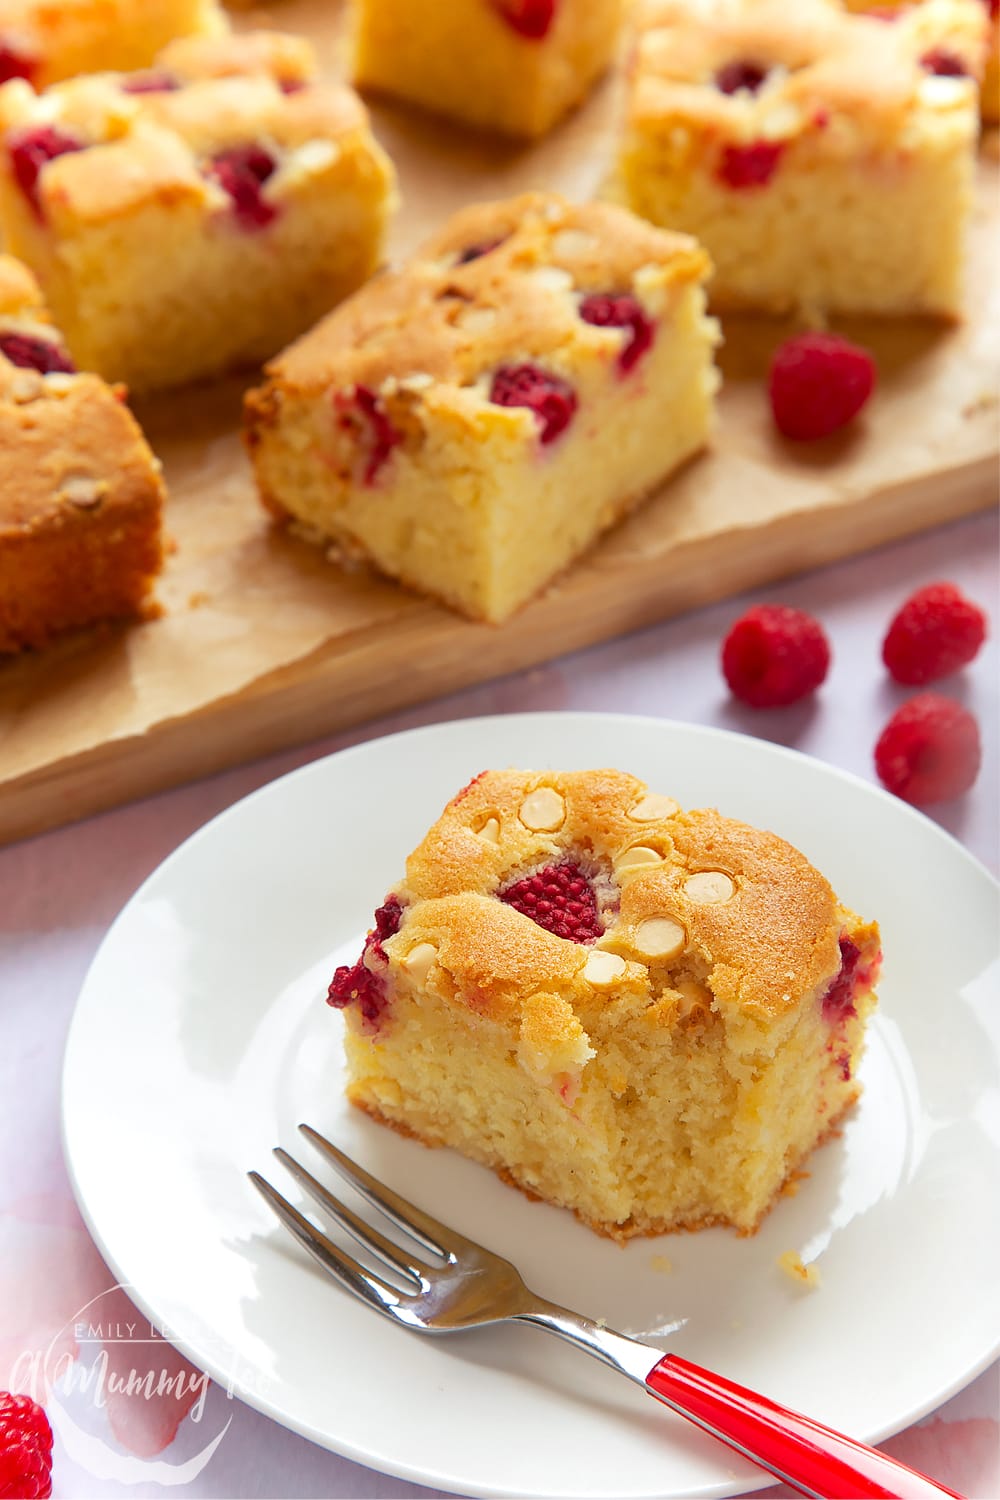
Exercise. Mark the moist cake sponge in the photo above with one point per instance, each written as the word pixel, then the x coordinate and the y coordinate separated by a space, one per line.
pixel 644 1015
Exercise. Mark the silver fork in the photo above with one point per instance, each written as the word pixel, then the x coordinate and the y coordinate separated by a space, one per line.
pixel 470 1287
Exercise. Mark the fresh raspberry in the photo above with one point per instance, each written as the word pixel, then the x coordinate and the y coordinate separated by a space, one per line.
pixel 751 166
pixel 993 6
pixel 364 409
pixel 150 82
pixel 29 353
pixel 25 1449
pixel 241 172
pixel 31 150
pixel 14 63
pixel 359 983
pixel 476 252
pixel 774 656
pixel 561 899
pixel 943 63
pixel 531 19
pixel 552 400
pixel 936 632
pixel 605 310
pixel 735 77
pixel 818 383
pixel 929 751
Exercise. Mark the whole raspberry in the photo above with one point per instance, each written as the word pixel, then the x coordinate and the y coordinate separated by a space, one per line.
pixel 561 899
pixel 607 310
pixel 774 656
pixel 943 63
pixel 929 751
pixel 936 632
pixel 364 411
pixel 15 63
pixel 552 400
pixel 30 353
pixel 360 984
pixel 241 172
pixel 531 19
pixel 32 150
pixel 750 166
pixel 818 383
pixel 737 77
pixel 25 1449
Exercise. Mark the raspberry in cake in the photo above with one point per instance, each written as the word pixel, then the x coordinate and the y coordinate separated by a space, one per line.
pixel 195 216
pixel 472 422
pixel 45 41
pixel 822 164
pixel 514 66
pixel 80 491
pixel 945 41
pixel 645 1015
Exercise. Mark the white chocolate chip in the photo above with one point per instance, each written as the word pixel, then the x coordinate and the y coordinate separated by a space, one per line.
pixel 543 810
pixel 635 861
pixel 709 887
pixel 603 968
pixel 573 242
pixel 659 937
pixel 551 278
pixel 417 963
pixel 475 320
pixel 306 161
pixel 82 491
pixel 26 385
pixel 941 91
pixel 653 807
pixel 418 381
pixel 490 831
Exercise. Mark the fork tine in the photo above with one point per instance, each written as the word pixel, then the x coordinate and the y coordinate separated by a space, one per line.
pixel 427 1231
pixel 343 1267
pixel 392 1254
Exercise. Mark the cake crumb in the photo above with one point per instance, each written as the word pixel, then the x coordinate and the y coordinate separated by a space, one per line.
pixel 792 1265
pixel 661 1263
pixel 791 1185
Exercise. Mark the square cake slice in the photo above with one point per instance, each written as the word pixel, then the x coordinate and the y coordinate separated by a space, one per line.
pixel 45 41
pixel 947 48
pixel 193 217
pixel 645 1015
pixel 824 159
pixel 80 491
pixel 472 422
pixel 514 66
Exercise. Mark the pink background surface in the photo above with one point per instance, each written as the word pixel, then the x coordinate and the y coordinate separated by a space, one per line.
pixel 59 893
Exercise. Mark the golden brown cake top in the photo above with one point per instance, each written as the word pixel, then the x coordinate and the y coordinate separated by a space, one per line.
pixel 767 69
pixel 501 281
pixel 111 141
pixel 586 886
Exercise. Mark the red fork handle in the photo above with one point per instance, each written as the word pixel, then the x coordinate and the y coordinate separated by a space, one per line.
pixel 803 1453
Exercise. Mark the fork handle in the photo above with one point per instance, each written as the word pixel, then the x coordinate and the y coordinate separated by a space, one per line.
pixel 798 1450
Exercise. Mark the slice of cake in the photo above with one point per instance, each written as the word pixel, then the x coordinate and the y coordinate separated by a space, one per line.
pixel 195 216
pixel 514 66
pixel 824 159
pixel 645 1015
pixel 472 422
pixel 80 492
pixel 949 48
pixel 47 40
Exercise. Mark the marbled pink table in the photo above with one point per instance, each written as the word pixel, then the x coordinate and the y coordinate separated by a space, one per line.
pixel 59 893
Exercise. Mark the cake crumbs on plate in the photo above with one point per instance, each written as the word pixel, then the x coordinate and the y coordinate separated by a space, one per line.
pixel 792 1265
pixel 661 1263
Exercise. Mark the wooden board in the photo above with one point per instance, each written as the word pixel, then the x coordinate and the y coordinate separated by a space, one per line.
pixel 264 645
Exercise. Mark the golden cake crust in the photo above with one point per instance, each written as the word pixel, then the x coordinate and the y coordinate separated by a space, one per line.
pixel 440 319
pixel 758 920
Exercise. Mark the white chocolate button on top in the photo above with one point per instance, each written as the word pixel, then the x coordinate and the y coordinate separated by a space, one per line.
pixel 709 887
pixel 417 963
pixel 603 968
pixel 653 807
pixel 490 831
pixel 659 937
pixel 635 861
pixel 543 811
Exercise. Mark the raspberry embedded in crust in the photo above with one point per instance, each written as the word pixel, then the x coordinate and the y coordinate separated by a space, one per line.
pixel 929 751
pixel 360 984
pixel 818 383
pixel 150 82
pixel 737 77
pixel 552 399
pixel 25 1449
pixel 241 172
pixel 363 407
pixel 531 19
pixel 30 353
pixel 607 310
pixel 32 150
pixel 943 64
pixel 561 899
pixel 752 166
pixel 936 632
pixel 838 1002
pixel 14 63
pixel 773 656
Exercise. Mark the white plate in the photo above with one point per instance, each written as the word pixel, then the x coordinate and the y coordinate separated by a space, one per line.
pixel 201 1038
